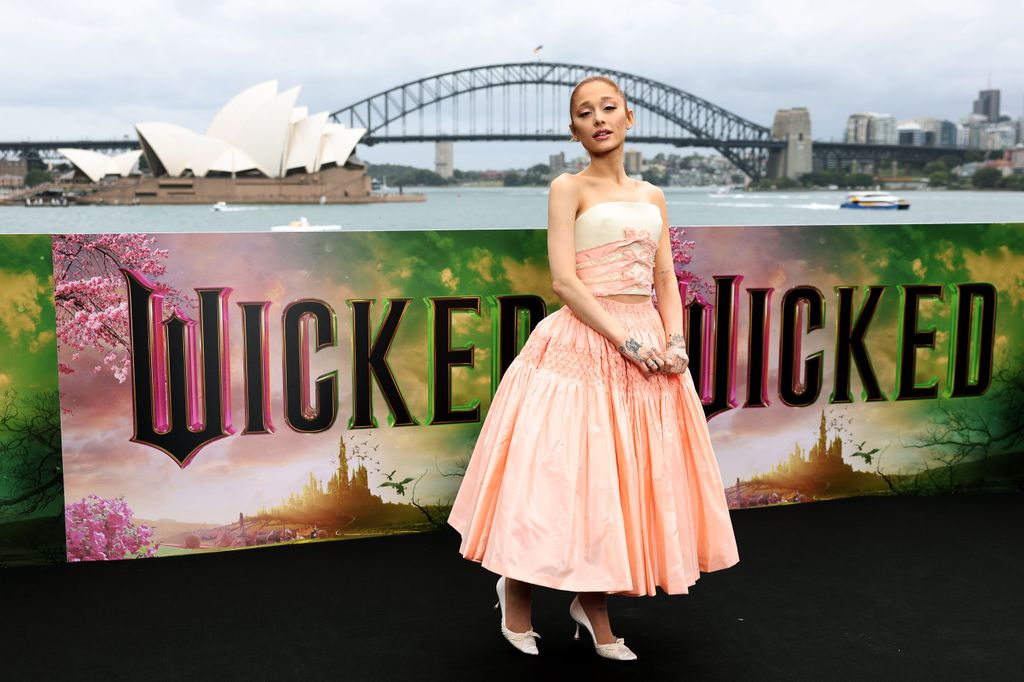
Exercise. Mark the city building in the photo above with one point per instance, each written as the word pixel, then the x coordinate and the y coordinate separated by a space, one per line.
pixel 911 133
pixel 970 131
pixel 987 105
pixel 882 130
pixel 1016 157
pixel 871 128
pixel 556 162
pixel 999 136
pixel 1003 165
pixel 12 174
pixel 857 129
pixel 633 161
pixel 947 134
pixel 933 132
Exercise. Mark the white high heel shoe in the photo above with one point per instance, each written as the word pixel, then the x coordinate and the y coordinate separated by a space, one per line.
pixel 616 650
pixel 524 641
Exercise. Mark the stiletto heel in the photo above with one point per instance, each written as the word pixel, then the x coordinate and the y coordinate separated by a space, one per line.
pixel 524 641
pixel 617 650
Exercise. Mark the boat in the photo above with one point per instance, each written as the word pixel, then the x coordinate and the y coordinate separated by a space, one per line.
pixel 220 206
pixel 874 200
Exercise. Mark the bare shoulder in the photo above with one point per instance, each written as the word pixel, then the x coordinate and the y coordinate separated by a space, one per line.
pixel 563 200
pixel 563 191
pixel 652 193
pixel 564 184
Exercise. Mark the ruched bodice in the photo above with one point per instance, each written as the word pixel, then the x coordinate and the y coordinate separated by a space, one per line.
pixel 615 246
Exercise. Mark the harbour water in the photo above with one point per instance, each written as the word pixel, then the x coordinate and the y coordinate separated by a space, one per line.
pixel 518 207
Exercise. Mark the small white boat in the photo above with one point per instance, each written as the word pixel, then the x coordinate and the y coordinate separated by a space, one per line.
pixel 881 200
pixel 220 206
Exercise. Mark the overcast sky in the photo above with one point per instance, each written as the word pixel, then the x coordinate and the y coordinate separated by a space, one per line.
pixel 92 69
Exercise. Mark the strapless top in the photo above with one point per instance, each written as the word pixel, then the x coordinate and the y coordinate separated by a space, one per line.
pixel 615 246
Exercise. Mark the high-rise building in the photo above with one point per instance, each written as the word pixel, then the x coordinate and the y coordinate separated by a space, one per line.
pixel 947 134
pixel 871 128
pixel 857 129
pixel 971 130
pixel 1001 136
pixel 934 132
pixel 633 162
pixel 556 162
pixel 987 104
pixel 911 133
pixel 882 130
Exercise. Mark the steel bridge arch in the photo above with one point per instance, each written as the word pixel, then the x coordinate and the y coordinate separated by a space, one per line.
pixel 742 141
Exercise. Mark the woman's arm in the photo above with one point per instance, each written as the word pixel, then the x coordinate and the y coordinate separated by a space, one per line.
pixel 562 204
pixel 666 287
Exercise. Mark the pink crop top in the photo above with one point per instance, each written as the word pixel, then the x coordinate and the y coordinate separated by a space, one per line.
pixel 615 246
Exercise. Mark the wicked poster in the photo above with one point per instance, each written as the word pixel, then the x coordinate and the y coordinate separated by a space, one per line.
pixel 238 390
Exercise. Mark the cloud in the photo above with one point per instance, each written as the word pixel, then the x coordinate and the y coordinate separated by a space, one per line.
pixel 524 276
pixel 449 279
pixel 481 262
pixel 750 57
pixel 19 302
pixel 1000 267
pixel 42 340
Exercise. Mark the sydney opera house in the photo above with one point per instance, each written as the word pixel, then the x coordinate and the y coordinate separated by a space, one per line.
pixel 259 148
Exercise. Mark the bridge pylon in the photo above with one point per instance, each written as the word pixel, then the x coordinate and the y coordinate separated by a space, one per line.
pixel 793 126
pixel 444 158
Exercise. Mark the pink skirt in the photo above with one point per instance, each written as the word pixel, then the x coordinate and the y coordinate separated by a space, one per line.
pixel 589 477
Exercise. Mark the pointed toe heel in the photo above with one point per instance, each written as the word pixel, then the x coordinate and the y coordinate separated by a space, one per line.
pixel 524 641
pixel 617 650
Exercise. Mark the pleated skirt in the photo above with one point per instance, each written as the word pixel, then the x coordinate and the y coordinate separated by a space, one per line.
pixel 588 476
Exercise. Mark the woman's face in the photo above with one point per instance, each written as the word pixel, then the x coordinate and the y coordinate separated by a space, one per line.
pixel 599 117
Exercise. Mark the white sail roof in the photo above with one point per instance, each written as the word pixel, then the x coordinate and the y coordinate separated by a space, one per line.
pixel 304 143
pixel 259 129
pixel 97 166
pixel 338 142
pixel 227 122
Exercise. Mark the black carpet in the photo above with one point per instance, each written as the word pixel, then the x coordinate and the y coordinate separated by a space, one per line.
pixel 881 588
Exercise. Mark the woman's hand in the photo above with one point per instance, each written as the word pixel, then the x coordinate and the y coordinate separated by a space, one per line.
pixel 676 359
pixel 644 356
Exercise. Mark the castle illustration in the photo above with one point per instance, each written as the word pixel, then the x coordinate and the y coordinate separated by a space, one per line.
pixel 342 491
pixel 824 456
pixel 349 491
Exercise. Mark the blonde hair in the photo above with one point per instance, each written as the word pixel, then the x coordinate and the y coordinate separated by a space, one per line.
pixel 591 79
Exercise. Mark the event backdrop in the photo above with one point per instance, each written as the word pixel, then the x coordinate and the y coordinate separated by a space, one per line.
pixel 236 390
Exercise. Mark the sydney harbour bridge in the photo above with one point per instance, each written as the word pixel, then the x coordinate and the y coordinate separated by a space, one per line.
pixel 528 101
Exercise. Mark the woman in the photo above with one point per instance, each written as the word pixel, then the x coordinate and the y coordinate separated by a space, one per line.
pixel 594 471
